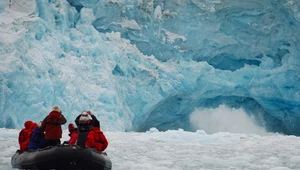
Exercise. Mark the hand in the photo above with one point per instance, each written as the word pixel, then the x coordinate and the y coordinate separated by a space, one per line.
pixel 89 112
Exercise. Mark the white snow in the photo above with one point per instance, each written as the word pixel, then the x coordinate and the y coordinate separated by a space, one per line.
pixel 182 150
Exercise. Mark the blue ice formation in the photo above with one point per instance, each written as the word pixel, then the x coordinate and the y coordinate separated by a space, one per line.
pixel 139 64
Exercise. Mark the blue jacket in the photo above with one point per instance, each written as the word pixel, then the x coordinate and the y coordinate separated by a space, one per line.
pixel 37 140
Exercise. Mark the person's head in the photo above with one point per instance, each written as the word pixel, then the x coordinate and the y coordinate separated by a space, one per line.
pixel 27 124
pixel 56 109
pixel 84 116
pixel 84 113
pixel 71 127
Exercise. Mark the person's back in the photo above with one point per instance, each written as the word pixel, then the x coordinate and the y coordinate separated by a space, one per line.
pixel 37 138
pixel 84 125
pixel 96 138
pixel 24 136
pixel 52 126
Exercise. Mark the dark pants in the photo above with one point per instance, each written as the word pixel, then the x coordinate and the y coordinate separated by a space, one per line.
pixel 52 142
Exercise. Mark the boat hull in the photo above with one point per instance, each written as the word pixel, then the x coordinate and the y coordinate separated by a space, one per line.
pixel 62 157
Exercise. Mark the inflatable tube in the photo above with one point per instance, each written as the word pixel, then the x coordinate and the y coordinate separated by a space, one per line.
pixel 62 157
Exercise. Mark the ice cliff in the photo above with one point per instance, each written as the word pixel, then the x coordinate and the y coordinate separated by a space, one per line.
pixel 139 64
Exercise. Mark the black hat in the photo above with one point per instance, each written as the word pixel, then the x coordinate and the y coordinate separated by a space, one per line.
pixel 96 123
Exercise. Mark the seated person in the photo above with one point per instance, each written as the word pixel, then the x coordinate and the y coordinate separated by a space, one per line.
pixel 96 139
pixel 73 134
pixel 37 138
pixel 24 136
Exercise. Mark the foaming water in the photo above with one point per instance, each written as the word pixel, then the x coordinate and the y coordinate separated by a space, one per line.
pixel 224 119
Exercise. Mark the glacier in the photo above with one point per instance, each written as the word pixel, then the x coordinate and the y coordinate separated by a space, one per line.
pixel 139 64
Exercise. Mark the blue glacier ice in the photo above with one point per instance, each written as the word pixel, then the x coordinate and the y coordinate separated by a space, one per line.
pixel 139 64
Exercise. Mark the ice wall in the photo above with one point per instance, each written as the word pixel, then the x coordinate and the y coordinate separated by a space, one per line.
pixel 142 64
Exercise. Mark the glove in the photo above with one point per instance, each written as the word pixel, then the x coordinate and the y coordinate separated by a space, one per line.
pixel 89 112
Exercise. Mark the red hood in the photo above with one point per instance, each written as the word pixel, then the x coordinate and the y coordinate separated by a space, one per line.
pixel 71 127
pixel 27 124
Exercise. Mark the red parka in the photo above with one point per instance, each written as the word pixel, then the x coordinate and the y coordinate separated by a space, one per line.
pixel 52 125
pixel 96 139
pixel 24 136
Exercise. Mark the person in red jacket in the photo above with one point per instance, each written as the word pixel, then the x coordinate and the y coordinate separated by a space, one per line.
pixel 73 134
pixel 51 125
pixel 96 138
pixel 24 136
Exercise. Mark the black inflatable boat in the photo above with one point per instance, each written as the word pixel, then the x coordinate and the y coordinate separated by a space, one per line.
pixel 62 157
